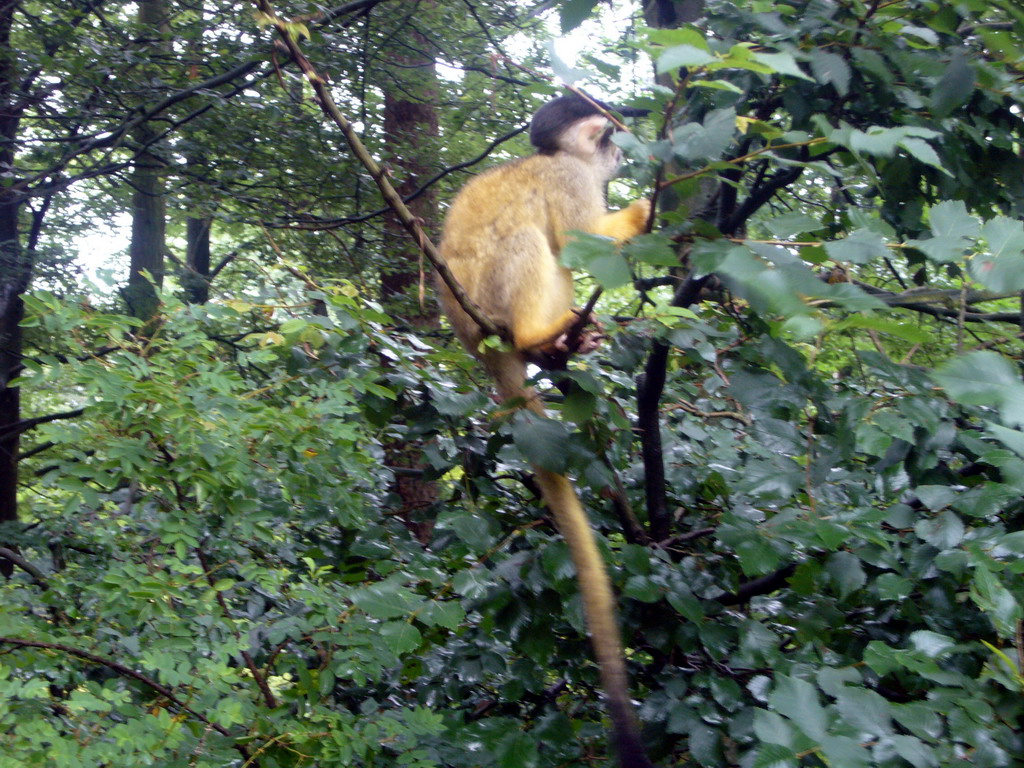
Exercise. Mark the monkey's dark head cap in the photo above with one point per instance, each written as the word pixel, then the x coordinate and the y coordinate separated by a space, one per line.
pixel 553 118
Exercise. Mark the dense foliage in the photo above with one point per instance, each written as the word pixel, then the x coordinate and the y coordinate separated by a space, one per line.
pixel 802 445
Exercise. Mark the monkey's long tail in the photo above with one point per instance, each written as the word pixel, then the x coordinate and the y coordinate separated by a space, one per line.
pixel 509 372
pixel 599 608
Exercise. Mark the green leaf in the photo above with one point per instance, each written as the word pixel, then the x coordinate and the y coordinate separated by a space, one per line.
pixel 677 36
pixel 919 718
pixel 705 745
pixel 936 497
pixel 718 85
pixel 1004 236
pixel 831 69
pixel 544 442
pixel 876 140
pixel 448 614
pixel 941 250
pixel 951 219
pixel 1011 438
pixel 992 596
pixel 775 756
pixel 923 152
pixel 654 248
pixel 517 750
pixel 893 587
pixel 579 406
pixel 562 70
pixel 984 378
pixel 846 571
pixel 572 13
pixel 1002 275
pixel 944 531
pixel 1002 269
pixel 901 330
pixel 599 257
pixel 914 751
pixel 688 606
pixel 923 33
pixel 771 728
pixel 874 63
pixel 385 599
pixel 859 248
pixel 708 140
pixel 790 224
pixel 932 644
pixel 643 589
pixel 954 87
pixel 400 636
pixel 711 255
pixel 683 56
pixel 783 63
pixel 798 700
pixel 845 751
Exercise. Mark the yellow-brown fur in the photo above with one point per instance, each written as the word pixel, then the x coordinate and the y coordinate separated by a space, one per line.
pixel 502 236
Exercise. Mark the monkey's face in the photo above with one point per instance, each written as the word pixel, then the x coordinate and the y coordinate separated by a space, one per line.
pixel 590 139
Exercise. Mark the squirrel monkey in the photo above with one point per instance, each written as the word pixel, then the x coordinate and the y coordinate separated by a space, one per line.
pixel 501 239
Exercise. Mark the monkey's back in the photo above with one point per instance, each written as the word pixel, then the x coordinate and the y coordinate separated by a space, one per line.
pixel 503 233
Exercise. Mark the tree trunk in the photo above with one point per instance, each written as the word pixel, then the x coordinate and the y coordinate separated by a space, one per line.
pixel 149 205
pixel 410 139
pixel 197 260
pixel 410 136
pixel 15 274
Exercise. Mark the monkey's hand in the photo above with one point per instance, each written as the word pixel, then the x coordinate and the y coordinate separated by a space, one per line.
pixel 583 336
pixel 640 211
pixel 622 225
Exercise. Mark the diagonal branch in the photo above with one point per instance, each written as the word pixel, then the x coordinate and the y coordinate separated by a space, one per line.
pixel 411 223
pixel 27 424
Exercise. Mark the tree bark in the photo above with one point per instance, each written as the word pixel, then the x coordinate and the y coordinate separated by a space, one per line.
pixel 197 259
pixel 15 274
pixel 410 136
pixel 149 205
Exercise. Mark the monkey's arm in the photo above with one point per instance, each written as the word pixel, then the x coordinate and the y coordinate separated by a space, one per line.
pixel 622 225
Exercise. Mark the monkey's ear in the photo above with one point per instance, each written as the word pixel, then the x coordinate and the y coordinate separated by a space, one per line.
pixel 592 127
pixel 588 134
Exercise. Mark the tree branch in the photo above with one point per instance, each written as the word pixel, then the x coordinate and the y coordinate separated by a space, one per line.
pixel 763 585
pixel 37 575
pixel 121 669
pixel 27 424
pixel 411 223
pixel 758 197
pixel 649 387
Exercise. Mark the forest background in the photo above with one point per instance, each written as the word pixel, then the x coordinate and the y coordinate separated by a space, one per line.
pixel 258 509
